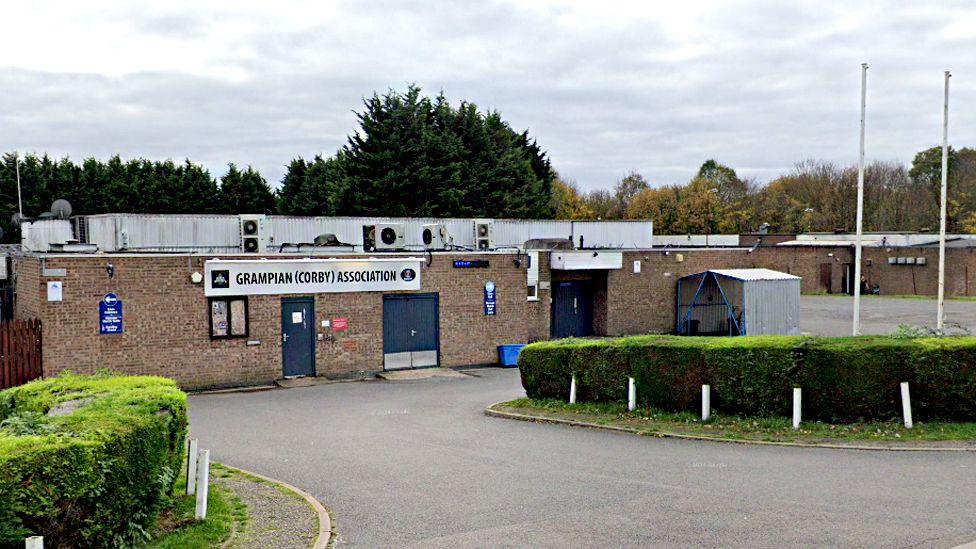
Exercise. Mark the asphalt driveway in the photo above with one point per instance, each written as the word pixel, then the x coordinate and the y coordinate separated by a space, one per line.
pixel 833 315
pixel 418 464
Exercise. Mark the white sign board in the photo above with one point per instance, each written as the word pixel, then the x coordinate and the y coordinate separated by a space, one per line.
pixel 582 260
pixel 54 290
pixel 233 277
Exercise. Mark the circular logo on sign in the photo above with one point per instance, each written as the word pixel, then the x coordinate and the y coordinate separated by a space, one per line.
pixel 110 299
pixel 490 286
pixel 408 274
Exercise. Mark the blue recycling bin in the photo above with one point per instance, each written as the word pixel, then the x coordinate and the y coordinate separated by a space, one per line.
pixel 508 354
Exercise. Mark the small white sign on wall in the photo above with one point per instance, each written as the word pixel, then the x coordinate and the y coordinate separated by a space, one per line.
pixel 54 292
pixel 637 265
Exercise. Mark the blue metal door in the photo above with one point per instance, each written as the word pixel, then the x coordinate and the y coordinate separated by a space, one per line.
pixel 410 331
pixel 298 336
pixel 572 309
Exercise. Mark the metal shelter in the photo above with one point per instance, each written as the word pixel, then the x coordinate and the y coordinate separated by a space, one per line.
pixel 732 302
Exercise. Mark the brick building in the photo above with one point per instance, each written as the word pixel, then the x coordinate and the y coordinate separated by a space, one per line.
pixel 227 319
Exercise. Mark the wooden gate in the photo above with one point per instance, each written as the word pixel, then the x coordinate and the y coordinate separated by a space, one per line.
pixel 20 352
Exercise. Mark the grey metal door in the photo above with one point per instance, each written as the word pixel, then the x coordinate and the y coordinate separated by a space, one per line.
pixel 572 309
pixel 410 331
pixel 298 336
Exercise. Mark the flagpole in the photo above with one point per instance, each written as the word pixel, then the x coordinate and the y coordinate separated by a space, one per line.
pixel 860 207
pixel 20 202
pixel 940 321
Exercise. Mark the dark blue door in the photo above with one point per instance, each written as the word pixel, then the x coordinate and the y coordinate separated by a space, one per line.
pixel 410 331
pixel 572 309
pixel 298 336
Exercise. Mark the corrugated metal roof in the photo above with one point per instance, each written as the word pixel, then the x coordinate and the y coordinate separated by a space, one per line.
pixel 754 274
pixel 830 243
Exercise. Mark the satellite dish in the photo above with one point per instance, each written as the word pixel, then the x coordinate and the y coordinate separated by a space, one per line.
pixel 17 219
pixel 61 208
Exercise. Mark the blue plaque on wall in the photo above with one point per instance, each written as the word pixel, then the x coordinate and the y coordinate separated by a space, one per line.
pixel 110 315
pixel 489 298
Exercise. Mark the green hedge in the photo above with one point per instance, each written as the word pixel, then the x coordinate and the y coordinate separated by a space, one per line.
pixel 843 379
pixel 98 474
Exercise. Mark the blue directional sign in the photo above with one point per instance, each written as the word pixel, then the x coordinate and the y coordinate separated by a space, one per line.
pixel 110 315
pixel 489 298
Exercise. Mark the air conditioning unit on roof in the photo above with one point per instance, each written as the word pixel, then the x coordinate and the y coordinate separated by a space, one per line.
pixel 435 237
pixel 383 236
pixel 254 233
pixel 483 234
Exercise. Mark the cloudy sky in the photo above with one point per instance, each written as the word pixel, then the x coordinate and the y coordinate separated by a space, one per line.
pixel 605 86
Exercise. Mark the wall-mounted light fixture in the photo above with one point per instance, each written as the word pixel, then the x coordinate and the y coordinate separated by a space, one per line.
pixel 196 277
pixel 110 270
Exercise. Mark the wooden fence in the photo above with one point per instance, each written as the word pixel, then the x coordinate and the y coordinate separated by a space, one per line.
pixel 20 352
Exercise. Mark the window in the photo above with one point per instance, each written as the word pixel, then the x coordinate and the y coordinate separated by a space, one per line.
pixel 228 317
pixel 533 292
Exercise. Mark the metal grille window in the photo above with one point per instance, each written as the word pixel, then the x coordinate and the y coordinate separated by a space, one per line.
pixel 228 317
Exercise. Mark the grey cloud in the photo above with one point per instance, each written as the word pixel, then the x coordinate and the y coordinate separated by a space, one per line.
pixel 775 83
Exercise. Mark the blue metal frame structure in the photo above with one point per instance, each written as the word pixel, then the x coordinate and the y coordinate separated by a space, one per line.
pixel 684 325
pixel 729 305
pixel 691 306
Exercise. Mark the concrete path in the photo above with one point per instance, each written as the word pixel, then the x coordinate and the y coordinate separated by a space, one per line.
pixel 417 464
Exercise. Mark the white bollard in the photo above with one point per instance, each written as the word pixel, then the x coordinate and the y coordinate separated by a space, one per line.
pixel 34 542
pixel 203 484
pixel 706 402
pixel 797 406
pixel 191 467
pixel 906 405
pixel 572 391
pixel 631 395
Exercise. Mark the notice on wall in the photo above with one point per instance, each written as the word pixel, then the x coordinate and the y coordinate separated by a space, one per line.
pixel 489 298
pixel 340 324
pixel 110 315
pixel 235 277
pixel 54 290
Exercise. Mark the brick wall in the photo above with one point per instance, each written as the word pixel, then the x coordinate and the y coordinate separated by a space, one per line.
pixel 960 277
pixel 645 302
pixel 166 324
pixel 27 305
pixel 538 313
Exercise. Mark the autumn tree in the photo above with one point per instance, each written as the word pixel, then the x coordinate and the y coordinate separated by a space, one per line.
pixel 624 191
pixel 568 202
pixel 659 204
pixel 601 202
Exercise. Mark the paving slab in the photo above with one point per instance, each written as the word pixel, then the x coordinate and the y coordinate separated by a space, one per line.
pixel 422 373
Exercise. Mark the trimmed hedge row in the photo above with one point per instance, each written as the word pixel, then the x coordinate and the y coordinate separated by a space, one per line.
pixel 94 472
pixel 843 379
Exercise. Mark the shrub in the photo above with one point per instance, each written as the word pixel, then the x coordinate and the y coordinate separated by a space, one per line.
pixel 96 471
pixel 843 379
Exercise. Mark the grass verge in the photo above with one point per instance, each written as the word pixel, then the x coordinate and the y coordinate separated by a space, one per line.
pixel 649 421
pixel 177 528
